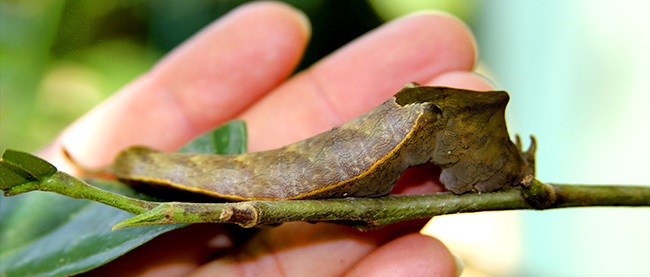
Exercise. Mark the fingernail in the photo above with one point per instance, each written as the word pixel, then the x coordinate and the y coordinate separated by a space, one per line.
pixel 304 21
pixel 460 265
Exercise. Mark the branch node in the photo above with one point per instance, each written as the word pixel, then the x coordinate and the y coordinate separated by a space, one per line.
pixel 243 214
pixel 539 195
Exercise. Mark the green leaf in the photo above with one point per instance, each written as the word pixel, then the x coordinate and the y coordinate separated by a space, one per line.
pixel 228 139
pixel 20 167
pixel 11 175
pixel 52 235
pixel 46 234
pixel 33 165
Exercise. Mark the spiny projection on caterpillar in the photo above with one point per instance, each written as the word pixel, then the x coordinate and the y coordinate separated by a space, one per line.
pixel 462 131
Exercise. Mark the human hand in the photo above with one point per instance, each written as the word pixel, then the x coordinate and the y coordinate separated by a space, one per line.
pixel 239 67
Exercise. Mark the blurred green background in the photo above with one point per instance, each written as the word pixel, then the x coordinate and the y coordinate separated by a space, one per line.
pixel 577 72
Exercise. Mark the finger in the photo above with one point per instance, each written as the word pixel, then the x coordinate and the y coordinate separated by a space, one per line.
pixel 174 253
pixel 462 79
pixel 411 255
pixel 359 76
pixel 298 249
pixel 295 249
pixel 202 83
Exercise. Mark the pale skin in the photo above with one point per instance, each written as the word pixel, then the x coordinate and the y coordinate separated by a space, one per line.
pixel 239 67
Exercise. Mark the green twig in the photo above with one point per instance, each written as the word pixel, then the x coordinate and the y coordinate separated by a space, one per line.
pixel 376 212
pixel 22 172
pixel 64 184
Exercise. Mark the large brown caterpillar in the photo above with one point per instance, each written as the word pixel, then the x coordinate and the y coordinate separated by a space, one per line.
pixel 462 131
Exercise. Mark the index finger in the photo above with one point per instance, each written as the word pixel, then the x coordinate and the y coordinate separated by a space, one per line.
pixel 202 83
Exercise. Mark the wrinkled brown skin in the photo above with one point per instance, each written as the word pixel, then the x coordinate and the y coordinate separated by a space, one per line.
pixel 462 131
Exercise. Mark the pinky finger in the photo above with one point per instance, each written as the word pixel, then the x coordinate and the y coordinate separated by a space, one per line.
pixel 410 255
